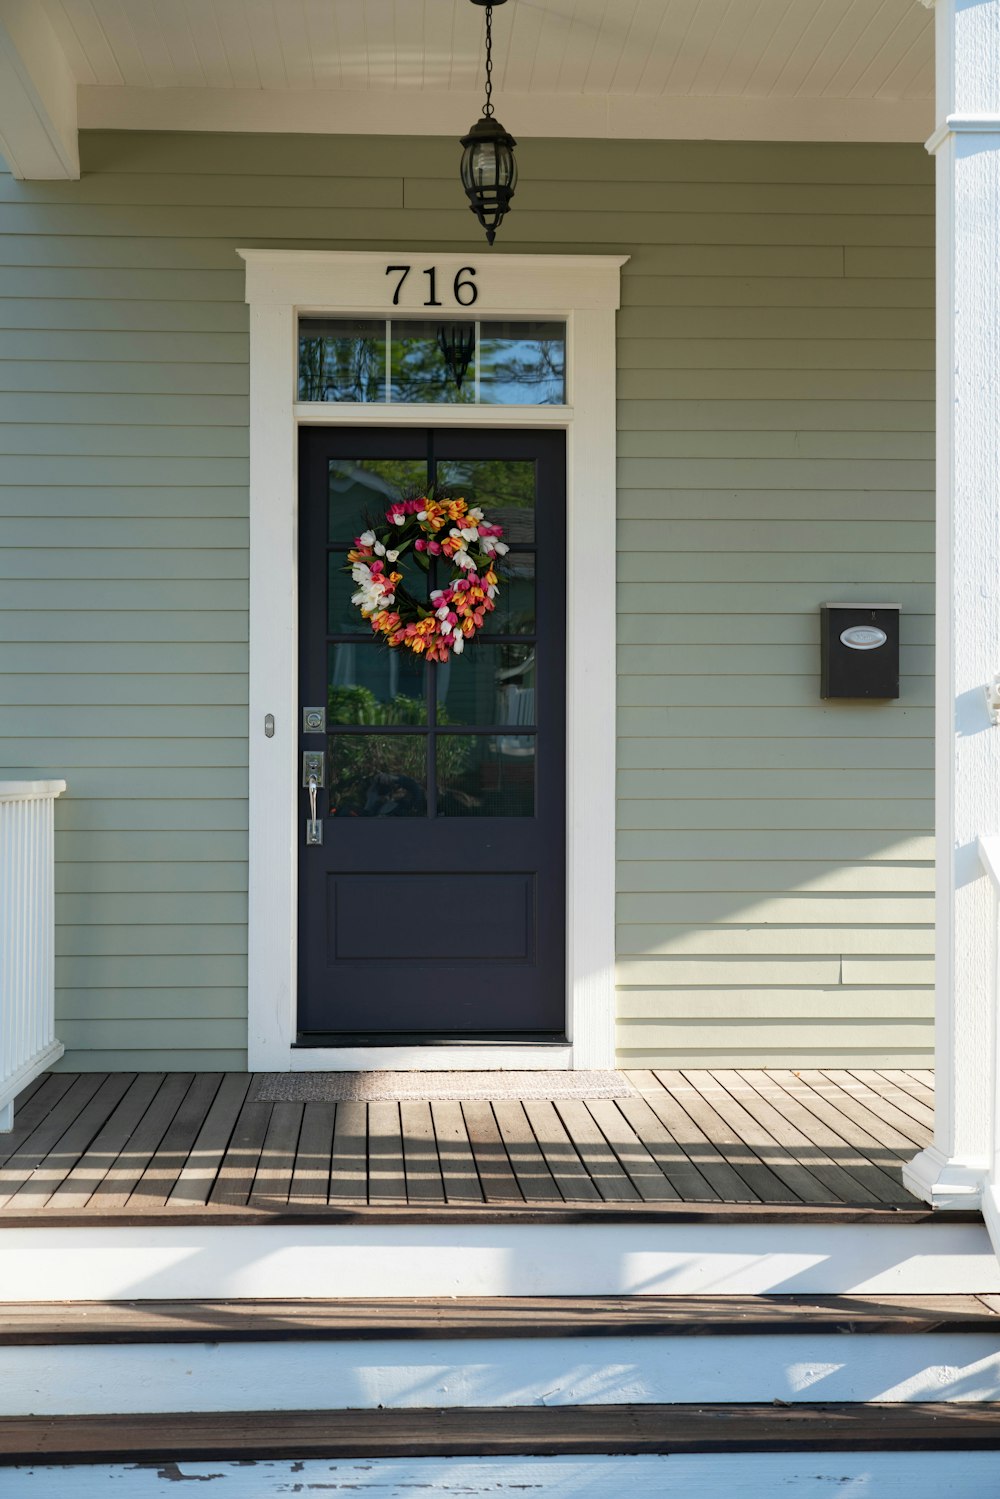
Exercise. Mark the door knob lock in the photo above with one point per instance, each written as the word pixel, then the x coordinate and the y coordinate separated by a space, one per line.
pixel 313 768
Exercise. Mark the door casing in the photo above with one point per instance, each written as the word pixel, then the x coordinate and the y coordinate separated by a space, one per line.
pixel 585 291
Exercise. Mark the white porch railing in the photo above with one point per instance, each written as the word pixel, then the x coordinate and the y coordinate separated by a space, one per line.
pixel 27 937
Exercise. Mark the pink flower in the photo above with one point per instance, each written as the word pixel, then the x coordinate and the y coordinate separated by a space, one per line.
pixel 420 546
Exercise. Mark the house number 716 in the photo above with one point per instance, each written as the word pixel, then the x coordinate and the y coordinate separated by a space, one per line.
pixel 464 288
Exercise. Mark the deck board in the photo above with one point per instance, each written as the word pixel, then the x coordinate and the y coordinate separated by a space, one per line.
pixel 127 1147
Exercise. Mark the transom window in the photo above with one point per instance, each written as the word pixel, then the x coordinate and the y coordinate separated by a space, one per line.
pixel 423 361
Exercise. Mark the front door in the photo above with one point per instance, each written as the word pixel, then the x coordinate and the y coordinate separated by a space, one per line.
pixel 434 908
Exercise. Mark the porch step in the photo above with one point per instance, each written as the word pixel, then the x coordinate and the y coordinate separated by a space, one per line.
pixel 42 1323
pixel 138 1359
pixel 435 1432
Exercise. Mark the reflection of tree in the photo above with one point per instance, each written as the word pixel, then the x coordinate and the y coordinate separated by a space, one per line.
pixel 333 368
pixel 520 363
pixel 528 371
pixel 358 758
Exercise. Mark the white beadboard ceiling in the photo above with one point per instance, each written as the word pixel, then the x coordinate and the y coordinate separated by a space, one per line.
pixel 659 69
pixel 814 49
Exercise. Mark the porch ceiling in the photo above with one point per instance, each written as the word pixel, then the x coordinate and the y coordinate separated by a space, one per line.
pixel 755 69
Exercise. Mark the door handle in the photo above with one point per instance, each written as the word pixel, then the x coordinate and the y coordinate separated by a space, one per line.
pixel 313 762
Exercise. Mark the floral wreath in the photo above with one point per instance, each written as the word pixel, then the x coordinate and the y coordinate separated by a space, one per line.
pixel 456 612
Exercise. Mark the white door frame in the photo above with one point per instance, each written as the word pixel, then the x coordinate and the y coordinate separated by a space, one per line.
pixel 583 289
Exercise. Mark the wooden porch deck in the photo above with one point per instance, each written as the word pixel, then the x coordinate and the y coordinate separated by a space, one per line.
pixel 177 1146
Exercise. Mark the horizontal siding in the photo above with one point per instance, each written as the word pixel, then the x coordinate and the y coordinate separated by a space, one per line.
pixel 775 449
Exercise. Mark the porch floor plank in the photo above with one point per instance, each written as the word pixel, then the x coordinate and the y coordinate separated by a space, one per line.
pixel 496 1177
pixel 124 1176
pixel 196 1179
pixel 607 1172
pixel 386 1167
pixel 82 1180
pixel 523 1151
pixel 314 1155
pixel 699 1149
pixel 349 1163
pixel 859 1170
pixel 458 1164
pixel 748 1164
pixel 138 1148
pixel 160 1176
pixel 888 1103
pixel 276 1167
pixel 424 1182
pixel 568 1171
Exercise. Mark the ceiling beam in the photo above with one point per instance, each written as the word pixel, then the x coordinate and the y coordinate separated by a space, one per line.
pixel 38 119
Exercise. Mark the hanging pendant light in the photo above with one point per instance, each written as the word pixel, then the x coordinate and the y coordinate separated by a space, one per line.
pixel 489 171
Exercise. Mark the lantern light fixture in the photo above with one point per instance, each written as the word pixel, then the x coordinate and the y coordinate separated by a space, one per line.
pixel 489 171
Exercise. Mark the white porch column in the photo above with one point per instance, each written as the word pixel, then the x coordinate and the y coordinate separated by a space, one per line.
pixel 951 1172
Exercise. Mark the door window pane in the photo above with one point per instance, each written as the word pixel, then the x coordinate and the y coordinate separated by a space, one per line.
pixel 522 364
pixel 433 362
pixel 370 684
pixel 494 778
pixel 360 492
pixel 378 775
pixel 342 359
pixel 515 606
pixel 488 684
pixel 504 487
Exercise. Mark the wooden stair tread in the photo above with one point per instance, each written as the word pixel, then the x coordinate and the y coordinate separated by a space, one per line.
pixel 63 1323
pixel 521 1430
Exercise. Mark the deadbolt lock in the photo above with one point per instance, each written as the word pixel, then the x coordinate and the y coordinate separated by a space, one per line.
pixel 314 720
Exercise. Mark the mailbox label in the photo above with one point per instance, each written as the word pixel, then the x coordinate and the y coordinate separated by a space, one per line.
pixel 863 637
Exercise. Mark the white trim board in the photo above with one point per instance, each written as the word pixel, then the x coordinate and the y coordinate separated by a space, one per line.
pixel 307 1261
pixel 733 117
pixel 407 1374
pixel 583 289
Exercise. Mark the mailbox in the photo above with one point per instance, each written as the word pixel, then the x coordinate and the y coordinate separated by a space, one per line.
pixel 859 650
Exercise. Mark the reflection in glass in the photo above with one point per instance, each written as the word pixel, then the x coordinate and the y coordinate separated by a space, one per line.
pixel 493 684
pixel 522 364
pixel 505 487
pixel 342 359
pixel 342 616
pixel 378 775
pixel 368 684
pixel 360 491
pixel 515 607
pixel 433 361
pixel 497 779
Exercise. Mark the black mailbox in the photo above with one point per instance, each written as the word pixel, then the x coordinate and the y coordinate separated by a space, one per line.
pixel 859 650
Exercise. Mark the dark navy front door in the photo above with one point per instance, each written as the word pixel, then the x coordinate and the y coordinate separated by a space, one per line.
pixel 434 909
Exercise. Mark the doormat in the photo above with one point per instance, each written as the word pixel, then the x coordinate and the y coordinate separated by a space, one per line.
pixel 374 1087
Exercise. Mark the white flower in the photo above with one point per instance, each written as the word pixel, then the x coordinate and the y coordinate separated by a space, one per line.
pixel 463 560
pixel 456 533
pixel 367 538
pixel 446 628
pixel 476 514
pixel 459 643
pixel 391 556
pixel 487 544
pixel 442 613
pixel 436 593
pixel 502 548
pixel 379 549
pixel 469 533
pixel 399 520
pixel 492 591
pixel 421 515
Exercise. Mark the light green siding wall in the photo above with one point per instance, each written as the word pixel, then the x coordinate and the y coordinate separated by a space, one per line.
pixel 775 440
